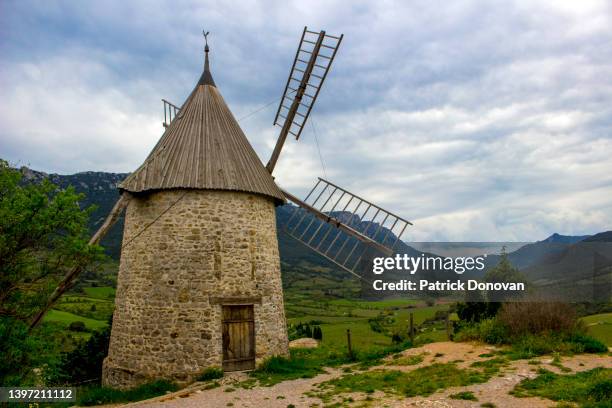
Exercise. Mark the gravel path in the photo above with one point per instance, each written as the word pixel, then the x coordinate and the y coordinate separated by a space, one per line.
pixel 290 393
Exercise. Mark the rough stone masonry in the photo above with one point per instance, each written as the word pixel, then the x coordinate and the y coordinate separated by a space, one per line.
pixel 209 245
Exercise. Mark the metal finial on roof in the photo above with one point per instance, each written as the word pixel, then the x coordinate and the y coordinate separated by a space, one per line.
pixel 206 78
pixel 205 33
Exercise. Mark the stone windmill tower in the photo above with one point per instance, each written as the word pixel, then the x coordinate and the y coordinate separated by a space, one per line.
pixel 201 285
pixel 199 279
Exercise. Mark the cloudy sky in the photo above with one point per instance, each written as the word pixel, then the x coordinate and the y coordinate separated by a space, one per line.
pixel 475 120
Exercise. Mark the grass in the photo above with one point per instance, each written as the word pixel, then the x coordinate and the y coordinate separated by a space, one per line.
pixel 407 360
pixel 465 395
pixel 100 292
pixel 600 327
pixel 104 395
pixel 211 373
pixel 307 363
pixel 338 315
pixel 492 366
pixel 65 318
pixel 277 369
pixel 591 388
pixel 362 336
pixel 422 381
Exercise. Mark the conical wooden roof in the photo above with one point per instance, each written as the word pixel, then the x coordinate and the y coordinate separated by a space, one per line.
pixel 203 148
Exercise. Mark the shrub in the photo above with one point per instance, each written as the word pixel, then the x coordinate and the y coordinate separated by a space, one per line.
pixel 530 345
pixel 77 326
pixel 211 373
pixel 317 333
pixel 535 318
pixel 588 343
pixel 477 310
pixel 465 395
pixel 84 363
pixel 489 331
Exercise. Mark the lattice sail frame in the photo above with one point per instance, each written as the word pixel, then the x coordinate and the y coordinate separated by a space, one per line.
pixel 170 112
pixel 312 62
pixel 342 226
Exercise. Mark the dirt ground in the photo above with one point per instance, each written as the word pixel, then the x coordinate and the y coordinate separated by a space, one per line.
pixel 292 393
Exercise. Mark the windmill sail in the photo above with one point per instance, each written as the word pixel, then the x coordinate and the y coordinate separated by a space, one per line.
pixel 342 226
pixel 311 64
pixel 170 112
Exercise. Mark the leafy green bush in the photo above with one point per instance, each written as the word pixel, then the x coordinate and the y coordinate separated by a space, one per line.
pixel 317 333
pixel 488 331
pixel 588 343
pixel 84 363
pixel 474 312
pixel 529 345
pixel 105 395
pixel 77 326
pixel 211 373
pixel 20 351
pixel 310 330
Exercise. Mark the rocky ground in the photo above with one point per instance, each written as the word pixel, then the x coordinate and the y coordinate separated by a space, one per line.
pixel 303 392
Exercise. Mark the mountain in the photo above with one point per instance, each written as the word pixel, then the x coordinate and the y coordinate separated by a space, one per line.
pixel 302 266
pixel 601 237
pixel 565 239
pixel 581 272
pixel 538 252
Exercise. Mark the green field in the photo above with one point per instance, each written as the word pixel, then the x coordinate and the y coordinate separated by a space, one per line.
pixel 337 315
pixel 94 305
pixel 65 318
pixel 101 292
pixel 600 327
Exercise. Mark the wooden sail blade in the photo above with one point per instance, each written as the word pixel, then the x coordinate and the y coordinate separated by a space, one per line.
pixel 311 65
pixel 170 112
pixel 342 226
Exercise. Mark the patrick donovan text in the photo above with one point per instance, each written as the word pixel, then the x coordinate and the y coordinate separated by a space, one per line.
pixel 423 284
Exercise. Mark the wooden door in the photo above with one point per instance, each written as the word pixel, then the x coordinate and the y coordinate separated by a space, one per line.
pixel 238 338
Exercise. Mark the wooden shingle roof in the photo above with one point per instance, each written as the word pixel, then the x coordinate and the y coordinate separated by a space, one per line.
pixel 203 148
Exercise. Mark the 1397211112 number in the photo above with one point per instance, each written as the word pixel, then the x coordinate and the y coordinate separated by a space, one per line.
pixel 23 394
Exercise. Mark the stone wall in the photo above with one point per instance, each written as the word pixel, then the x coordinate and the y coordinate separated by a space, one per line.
pixel 206 245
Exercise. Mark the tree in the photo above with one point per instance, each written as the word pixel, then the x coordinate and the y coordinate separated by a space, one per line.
pixel 317 333
pixel 503 272
pixel 84 364
pixel 77 326
pixel 43 234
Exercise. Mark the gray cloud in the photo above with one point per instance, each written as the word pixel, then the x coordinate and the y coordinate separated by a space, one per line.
pixel 476 120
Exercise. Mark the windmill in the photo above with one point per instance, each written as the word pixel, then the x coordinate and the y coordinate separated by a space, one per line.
pixel 199 278
pixel 337 224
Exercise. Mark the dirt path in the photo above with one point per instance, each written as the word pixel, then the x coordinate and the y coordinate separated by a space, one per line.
pixel 292 392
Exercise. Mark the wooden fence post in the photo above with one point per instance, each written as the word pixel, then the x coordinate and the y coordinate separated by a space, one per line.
pixel 348 340
pixel 411 332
